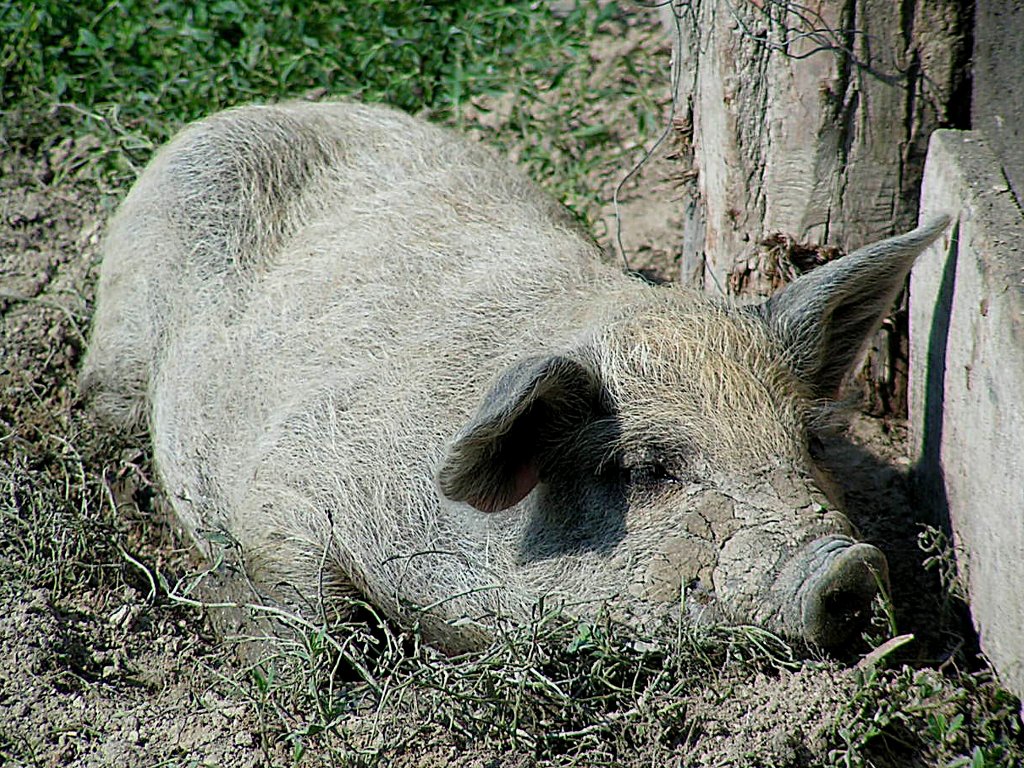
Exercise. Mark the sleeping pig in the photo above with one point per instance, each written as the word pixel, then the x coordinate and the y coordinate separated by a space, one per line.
pixel 385 363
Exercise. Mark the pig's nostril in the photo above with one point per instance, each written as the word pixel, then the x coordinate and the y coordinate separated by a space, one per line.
pixel 846 606
pixel 838 603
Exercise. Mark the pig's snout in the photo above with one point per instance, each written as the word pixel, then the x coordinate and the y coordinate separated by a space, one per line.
pixel 842 581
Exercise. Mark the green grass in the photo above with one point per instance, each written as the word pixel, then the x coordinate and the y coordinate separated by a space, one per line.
pixel 119 78
pixel 132 72
pixel 179 60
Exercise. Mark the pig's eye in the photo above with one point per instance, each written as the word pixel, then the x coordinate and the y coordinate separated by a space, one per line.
pixel 641 474
pixel 650 474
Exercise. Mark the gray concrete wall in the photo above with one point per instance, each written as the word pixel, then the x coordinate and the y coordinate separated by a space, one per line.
pixel 997 97
pixel 967 385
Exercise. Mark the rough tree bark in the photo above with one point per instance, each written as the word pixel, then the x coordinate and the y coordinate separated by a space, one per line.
pixel 806 126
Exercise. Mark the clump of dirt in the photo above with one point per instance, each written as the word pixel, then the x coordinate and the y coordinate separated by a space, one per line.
pixel 782 720
pixel 102 679
pixel 780 260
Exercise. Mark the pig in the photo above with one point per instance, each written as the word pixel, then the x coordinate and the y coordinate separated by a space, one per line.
pixel 385 364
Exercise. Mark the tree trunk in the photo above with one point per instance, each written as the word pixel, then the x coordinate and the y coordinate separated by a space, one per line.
pixel 807 126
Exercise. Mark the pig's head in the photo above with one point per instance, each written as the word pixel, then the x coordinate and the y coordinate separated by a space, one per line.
pixel 668 454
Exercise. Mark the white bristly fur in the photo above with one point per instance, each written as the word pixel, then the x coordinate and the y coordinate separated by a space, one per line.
pixel 306 303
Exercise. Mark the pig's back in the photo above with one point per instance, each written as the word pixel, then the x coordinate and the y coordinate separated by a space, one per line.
pixel 328 359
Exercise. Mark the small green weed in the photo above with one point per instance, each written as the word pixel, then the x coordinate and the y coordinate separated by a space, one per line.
pixel 941 558
pixel 905 715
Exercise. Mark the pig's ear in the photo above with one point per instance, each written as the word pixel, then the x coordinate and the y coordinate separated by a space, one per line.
pixel 497 458
pixel 825 317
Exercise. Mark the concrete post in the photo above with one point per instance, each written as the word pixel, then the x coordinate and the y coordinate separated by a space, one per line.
pixel 967 386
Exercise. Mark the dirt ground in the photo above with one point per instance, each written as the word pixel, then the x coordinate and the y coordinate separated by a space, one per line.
pixel 98 666
pixel 91 671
